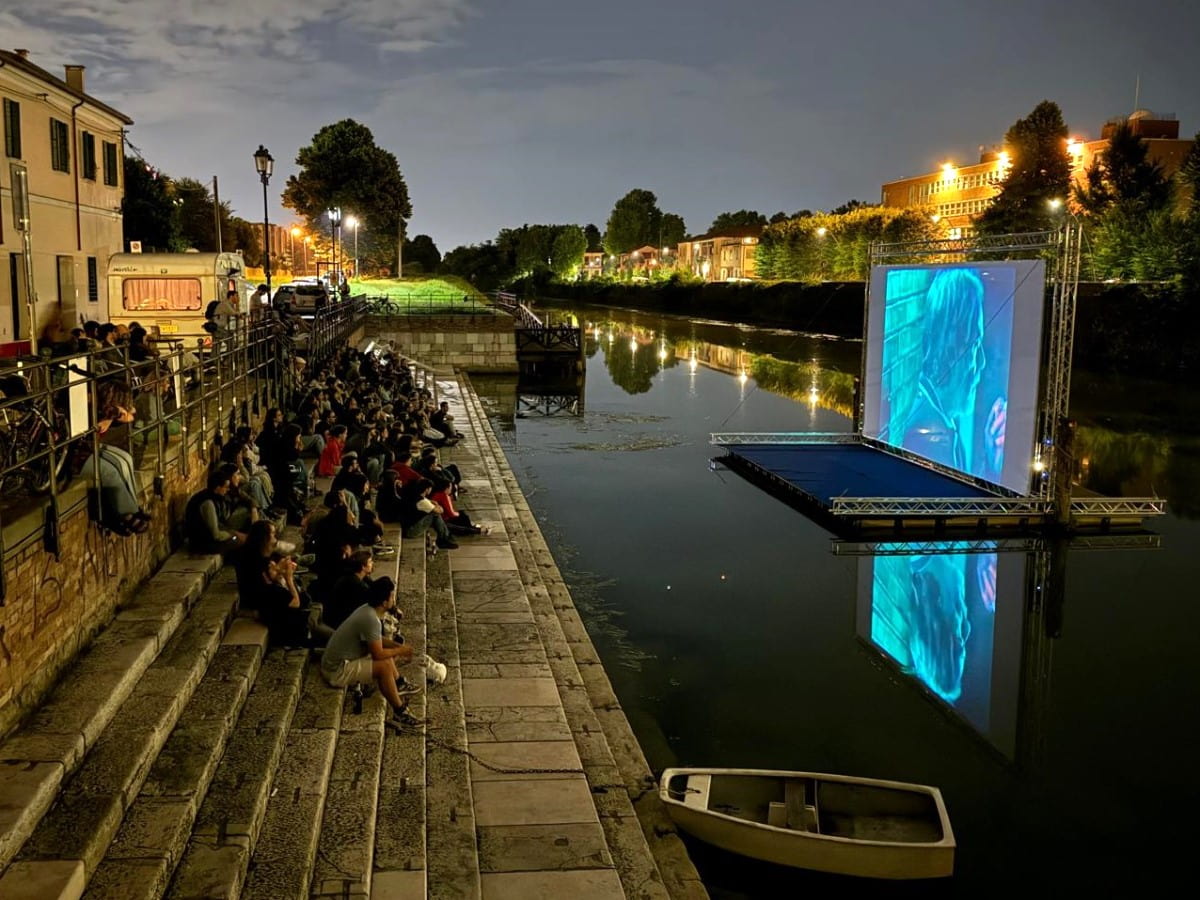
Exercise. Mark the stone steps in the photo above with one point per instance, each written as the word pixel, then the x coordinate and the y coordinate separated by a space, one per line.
pixel 227 825
pixel 597 723
pixel 71 772
pixel 399 864
pixel 155 831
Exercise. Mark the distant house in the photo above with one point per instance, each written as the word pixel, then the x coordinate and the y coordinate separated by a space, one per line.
pixel 724 255
pixel 641 262
pixel 593 265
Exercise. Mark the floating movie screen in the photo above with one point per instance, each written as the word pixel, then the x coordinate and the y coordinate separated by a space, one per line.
pixel 953 355
pixel 951 621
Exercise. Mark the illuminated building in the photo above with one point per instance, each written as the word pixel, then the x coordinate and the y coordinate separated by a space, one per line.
pixel 593 264
pixel 724 255
pixel 64 150
pixel 955 195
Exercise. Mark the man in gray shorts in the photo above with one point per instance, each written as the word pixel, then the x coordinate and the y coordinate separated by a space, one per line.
pixel 358 653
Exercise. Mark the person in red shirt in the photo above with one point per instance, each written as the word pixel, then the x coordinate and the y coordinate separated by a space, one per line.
pixel 405 473
pixel 331 456
pixel 457 521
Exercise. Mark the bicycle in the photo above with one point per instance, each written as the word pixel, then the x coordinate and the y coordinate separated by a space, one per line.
pixel 25 434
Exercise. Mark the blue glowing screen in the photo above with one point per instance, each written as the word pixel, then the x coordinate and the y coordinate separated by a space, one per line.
pixel 953 358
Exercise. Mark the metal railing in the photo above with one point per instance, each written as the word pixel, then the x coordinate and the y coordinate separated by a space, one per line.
pixel 432 303
pixel 193 391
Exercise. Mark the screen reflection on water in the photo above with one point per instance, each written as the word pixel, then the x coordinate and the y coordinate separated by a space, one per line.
pixel 948 616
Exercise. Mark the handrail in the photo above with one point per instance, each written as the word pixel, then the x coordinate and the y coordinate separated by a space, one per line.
pixel 199 387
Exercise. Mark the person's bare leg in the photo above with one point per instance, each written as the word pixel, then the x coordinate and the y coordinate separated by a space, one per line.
pixel 384 671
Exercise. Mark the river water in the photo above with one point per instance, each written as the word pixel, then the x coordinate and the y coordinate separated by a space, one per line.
pixel 738 633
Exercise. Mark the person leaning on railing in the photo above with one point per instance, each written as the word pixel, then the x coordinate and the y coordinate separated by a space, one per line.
pixel 114 469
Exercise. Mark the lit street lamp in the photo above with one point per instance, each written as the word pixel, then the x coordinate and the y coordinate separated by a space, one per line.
pixel 352 222
pixel 264 164
pixel 335 222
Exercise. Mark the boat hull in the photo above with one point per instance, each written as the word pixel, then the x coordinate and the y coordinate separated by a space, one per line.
pixel 805 850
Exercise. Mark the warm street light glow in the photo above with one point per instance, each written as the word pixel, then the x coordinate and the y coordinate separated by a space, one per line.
pixel 1054 203
pixel 295 232
pixel 822 231
pixel 633 345
pixel 351 222
pixel 948 171
pixel 935 218
pixel 1075 148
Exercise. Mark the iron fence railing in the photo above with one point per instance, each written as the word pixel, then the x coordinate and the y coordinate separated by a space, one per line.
pixel 433 303
pixel 194 390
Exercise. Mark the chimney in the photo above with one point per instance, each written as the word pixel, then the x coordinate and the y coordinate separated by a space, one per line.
pixel 75 78
pixel 22 52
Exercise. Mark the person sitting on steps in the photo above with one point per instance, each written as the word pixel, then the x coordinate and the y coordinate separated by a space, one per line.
pixel 358 653
pixel 205 519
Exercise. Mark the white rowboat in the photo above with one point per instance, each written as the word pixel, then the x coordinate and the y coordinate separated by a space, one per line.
pixel 829 823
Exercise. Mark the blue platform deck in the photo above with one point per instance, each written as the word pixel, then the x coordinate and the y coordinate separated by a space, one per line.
pixel 823 472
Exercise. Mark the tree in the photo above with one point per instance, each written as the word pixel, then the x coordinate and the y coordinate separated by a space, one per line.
pixel 1189 177
pixel 672 231
pixel 197 229
pixel 595 240
pixel 567 251
pixel 635 221
pixel 246 237
pixel 850 206
pixel 147 209
pixel 1041 172
pixel 344 167
pixel 1122 174
pixel 743 218
pixel 423 251
pixel 484 265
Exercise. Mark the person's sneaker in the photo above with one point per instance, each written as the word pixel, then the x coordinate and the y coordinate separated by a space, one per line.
pixel 404 717
pixel 405 688
pixel 383 551
pixel 448 544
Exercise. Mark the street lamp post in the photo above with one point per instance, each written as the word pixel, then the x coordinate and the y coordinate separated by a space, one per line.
pixel 335 222
pixel 352 221
pixel 264 164
pixel 295 233
pixel 307 241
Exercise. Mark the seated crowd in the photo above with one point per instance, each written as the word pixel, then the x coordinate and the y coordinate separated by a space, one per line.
pixel 364 423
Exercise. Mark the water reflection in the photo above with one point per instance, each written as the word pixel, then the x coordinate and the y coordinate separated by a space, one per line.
pixel 972 626
pixel 634 351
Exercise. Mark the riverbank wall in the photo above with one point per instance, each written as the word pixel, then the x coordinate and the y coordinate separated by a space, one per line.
pixel 477 343
pixel 1121 329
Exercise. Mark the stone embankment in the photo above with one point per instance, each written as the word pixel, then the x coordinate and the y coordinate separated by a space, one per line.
pixel 182 758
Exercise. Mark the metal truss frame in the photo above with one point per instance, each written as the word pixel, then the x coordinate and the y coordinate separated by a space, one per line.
pixel 1082 543
pixel 940 507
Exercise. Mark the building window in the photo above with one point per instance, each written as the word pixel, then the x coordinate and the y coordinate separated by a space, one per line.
pixel 88 156
pixel 93 280
pixel 110 164
pixel 60 146
pixel 12 129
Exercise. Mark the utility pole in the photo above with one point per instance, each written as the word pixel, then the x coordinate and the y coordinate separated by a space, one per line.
pixel 400 249
pixel 217 213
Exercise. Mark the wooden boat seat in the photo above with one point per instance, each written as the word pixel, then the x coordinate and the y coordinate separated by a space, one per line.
pixel 801 815
pixel 698 789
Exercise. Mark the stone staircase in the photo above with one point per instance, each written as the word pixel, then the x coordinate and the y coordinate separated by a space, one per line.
pixel 182 759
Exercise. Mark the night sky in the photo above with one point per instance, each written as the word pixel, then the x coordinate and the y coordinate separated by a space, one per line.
pixel 511 111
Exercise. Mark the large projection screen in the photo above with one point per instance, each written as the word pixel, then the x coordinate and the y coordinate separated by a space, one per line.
pixel 953 356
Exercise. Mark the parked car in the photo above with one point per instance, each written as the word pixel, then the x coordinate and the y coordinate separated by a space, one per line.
pixel 304 296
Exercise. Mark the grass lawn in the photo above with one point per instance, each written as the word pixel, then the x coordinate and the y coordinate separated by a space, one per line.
pixel 446 289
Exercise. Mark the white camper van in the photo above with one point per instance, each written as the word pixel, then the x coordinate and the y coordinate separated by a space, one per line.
pixel 167 293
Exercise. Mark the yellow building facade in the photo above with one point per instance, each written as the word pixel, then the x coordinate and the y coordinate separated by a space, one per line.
pixel 955 195
pixel 61 187
pixel 727 255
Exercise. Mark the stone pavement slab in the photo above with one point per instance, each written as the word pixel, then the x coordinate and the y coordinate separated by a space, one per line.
pixel 522 755
pixel 581 884
pixel 534 801
pixel 523 848
pixel 509 692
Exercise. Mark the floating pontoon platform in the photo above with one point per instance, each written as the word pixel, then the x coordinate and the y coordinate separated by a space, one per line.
pixel 857 484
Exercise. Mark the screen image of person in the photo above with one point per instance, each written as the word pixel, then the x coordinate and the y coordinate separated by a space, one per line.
pixel 945 368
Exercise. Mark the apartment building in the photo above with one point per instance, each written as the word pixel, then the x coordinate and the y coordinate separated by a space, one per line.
pixel 61 186
pixel 725 255
pixel 955 194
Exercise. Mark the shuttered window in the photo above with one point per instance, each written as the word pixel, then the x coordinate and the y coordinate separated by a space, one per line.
pixel 60 146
